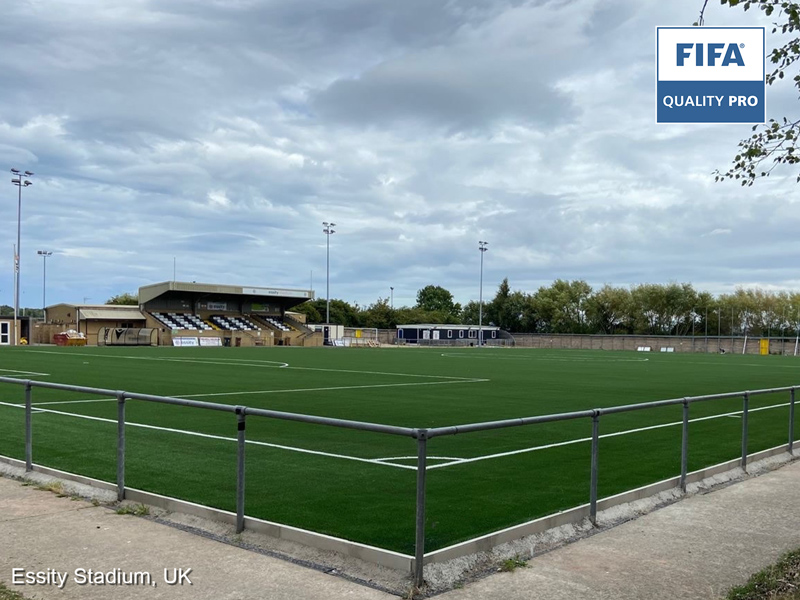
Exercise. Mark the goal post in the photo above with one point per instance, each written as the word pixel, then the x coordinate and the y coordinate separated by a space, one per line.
pixel 366 337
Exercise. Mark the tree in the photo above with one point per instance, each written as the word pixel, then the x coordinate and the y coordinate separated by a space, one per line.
pixel 309 309
pixel 607 309
pixel 562 306
pixel 126 298
pixel 379 315
pixel 434 298
pixel 342 313
pixel 774 143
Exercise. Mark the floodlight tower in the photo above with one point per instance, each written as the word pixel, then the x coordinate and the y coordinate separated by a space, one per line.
pixel 482 247
pixel 328 231
pixel 44 254
pixel 20 180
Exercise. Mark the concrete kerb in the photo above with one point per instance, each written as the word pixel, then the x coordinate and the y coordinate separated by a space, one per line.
pixel 456 565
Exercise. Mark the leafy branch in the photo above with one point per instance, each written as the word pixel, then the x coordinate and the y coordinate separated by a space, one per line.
pixel 774 143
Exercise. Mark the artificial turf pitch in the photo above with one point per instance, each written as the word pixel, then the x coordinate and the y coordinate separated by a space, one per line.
pixel 361 486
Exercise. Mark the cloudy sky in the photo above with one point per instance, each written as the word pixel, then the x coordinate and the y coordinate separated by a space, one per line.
pixel 216 136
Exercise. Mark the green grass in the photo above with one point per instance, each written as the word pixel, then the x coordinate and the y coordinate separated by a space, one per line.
pixel 372 502
pixel 777 582
pixel 8 594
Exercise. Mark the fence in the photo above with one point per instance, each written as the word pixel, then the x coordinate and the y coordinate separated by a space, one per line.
pixel 422 435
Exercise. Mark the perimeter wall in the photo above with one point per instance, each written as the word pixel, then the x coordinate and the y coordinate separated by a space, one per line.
pixel 701 344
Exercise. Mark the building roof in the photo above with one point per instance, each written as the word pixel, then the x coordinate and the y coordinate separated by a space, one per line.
pixel 105 314
pixel 83 306
pixel 150 292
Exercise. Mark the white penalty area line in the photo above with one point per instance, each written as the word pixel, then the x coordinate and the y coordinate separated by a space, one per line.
pixel 218 437
pixel 606 435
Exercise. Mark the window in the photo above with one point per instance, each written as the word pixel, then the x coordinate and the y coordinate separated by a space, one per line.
pixel 461 333
pixel 471 333
pixel 400 333
pixel 449 333
pixel 494 334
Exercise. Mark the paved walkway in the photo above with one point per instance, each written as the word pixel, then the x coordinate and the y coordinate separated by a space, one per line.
pixel 696 548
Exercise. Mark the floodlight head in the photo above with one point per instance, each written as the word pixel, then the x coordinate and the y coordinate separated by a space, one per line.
pixel 27 183
pixel 15 171
pixel 28 174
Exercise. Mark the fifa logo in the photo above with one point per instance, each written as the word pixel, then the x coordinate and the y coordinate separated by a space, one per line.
pixel 713 52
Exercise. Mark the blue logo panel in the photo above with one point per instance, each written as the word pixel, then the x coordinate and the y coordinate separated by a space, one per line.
pixel 710 102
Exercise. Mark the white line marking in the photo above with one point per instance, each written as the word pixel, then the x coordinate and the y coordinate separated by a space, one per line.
pixel 25 372
pixel 218 437
pixel 286 391
pixel 262 364
pixel 268 364
pixel 533 358
pixel 451 458
pixel 325 389
pixel 74 401
pixel 589 439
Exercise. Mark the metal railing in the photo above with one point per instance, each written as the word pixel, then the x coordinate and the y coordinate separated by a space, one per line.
pixel 422 435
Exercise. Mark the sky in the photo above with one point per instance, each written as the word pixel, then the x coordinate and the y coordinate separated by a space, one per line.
pixel 209 141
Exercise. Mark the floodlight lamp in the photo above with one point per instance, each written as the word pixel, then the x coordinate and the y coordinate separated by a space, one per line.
pixel 27 183
pixel 15 171
pixel 28 174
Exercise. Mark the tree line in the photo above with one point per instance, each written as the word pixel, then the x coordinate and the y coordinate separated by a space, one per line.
pixel 574 307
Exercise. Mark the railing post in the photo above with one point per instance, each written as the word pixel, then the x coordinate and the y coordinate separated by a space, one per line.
pixel 595 457
pixel 240 415
pixel 419 544
pixel 121 446
pixel 28 428
pixel 685 445
pixel 745 413
pixel 791 421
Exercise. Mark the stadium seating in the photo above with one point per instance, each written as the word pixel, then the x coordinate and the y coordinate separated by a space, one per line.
pixel 181 321
pixel 277 324
pixel 234 323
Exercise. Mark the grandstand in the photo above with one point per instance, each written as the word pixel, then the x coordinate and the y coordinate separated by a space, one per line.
pixel 234 315
pixel 192 314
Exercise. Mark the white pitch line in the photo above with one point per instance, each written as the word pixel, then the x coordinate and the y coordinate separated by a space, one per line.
pixel 25 372
pixel 544 358
pixel 326 389
pixel 451 458
pixel 254 363
pixel 589 439
pixel 72 402
pixel 287 391
pixel 268 364
pixel 218 437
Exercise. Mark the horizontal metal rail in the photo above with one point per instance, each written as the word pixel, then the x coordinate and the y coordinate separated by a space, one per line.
pixel 273 414
pixel 488 425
